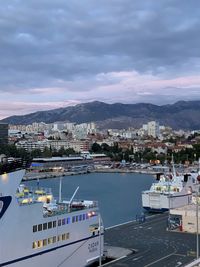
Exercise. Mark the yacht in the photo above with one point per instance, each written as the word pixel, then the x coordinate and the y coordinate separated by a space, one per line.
pixel 39 230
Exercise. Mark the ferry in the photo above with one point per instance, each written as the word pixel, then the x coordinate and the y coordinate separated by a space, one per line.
pixel 171 191
pixel 39 230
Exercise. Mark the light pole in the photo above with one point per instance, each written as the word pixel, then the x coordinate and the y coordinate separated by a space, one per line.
pixel 197 221
pixel 100 261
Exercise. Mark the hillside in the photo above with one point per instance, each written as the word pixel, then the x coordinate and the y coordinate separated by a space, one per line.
pixel 181 115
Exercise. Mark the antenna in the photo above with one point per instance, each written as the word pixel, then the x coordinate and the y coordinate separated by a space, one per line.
pixel 70 202
pixel 60 190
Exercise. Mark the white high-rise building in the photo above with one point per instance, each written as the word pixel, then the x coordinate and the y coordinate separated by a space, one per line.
pixel 153 129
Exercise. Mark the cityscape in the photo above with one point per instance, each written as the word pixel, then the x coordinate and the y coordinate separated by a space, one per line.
pixel 100 133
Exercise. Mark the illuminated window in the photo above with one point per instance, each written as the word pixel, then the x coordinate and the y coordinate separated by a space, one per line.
pixel 40 244
pixel 44 242
pixel 44 226
pixel 54 223
pixel 35 244
pixel 63 236
pixel 50 240
pixel 34 228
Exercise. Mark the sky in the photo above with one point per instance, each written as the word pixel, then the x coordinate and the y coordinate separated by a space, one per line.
pixel 59 53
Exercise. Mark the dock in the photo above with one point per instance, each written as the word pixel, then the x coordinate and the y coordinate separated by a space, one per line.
pixel 151 243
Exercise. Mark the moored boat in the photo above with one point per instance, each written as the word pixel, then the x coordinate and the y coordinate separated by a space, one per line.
pixel 43 231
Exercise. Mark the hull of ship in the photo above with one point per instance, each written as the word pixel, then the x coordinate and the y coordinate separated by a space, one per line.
pixel 77 254
pixel 158 202
pixel 153 210
pixel 73 243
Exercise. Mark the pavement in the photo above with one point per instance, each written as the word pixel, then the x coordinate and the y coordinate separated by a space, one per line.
pixel 154 246
pixel 117 252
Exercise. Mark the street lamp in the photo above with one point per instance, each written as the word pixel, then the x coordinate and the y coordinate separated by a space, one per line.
pixel 197 221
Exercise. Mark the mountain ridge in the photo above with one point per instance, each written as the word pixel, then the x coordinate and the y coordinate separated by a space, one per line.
pixel 180 115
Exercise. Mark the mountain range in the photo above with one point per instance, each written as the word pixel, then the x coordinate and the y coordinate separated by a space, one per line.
pixel 181 115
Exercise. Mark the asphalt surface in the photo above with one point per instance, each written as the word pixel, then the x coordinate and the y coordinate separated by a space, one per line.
pixel 154 246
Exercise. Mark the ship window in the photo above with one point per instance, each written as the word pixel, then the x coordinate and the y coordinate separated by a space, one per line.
pixel 63 221
pixel 67 235
pixel 59 238
pixel 49 225
pixel 40 243
pixel 54 239
pixel 50 240
pixel 63 236
pixel 68 220
pixel 73 219
pixel 34 228
pixel 77 218
pixel 54 223
pixel 44 226
pixel 39 227
pixel 83 217
pixel 86 216
pixel 80 217
pixel 44 242
pixel 59 222
pixel 34 244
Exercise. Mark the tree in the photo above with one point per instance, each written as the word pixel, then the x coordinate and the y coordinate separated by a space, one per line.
pixel 96 148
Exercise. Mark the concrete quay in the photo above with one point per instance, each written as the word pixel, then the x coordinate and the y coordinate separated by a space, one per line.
pixel 153 245
pixel 46 175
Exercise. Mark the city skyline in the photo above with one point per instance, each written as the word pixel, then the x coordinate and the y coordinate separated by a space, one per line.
pixel 56 54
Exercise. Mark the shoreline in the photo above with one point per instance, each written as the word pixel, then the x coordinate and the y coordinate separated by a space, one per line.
pixel 30 176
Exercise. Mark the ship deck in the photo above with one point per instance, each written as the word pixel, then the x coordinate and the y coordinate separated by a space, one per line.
pixel 51 206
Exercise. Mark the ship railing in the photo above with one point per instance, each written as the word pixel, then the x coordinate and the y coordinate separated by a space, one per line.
pixel 65 207
pixel 41 190
pixel 28 195
pixel 80 203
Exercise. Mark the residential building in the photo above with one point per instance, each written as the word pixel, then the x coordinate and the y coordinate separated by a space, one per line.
pixel 153 129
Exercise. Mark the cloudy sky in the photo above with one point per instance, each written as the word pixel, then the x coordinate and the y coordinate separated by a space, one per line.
pixel 59 53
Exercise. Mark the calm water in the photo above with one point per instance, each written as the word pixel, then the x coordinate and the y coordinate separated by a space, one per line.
pixel 119 195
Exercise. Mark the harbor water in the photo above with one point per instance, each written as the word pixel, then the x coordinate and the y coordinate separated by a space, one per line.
pixel 118 194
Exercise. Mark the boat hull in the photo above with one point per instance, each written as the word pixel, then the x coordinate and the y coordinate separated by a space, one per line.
pixel 152 210
pixel 77 254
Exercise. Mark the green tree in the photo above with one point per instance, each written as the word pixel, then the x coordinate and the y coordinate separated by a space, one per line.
pixel 96 148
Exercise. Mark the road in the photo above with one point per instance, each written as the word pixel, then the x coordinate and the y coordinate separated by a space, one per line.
pixel 154 245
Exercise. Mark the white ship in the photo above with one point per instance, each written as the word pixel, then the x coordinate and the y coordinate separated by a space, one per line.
pixel 171 191
pixel 37 230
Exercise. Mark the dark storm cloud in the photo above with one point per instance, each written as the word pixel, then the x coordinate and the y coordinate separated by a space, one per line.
pixel 42 42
